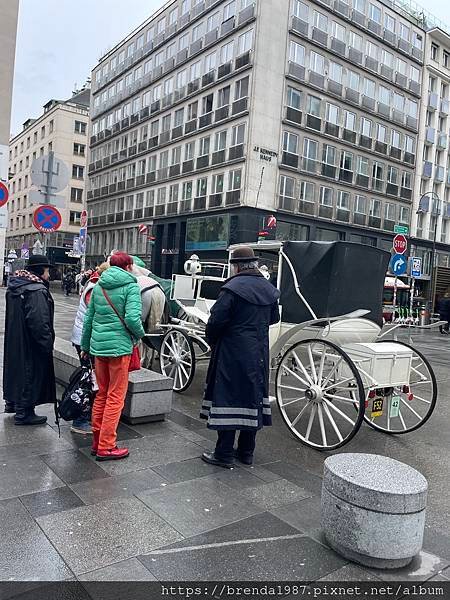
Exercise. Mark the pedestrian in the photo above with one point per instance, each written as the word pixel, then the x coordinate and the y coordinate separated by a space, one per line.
pixel 444 312
pixel 112 327
pixel 237 384
pixel 82 424
pixel 6 272
pixel 28 372
pixel 68 283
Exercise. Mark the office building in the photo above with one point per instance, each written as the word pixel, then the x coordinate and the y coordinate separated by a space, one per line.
pixel 63 129
pixel 215 114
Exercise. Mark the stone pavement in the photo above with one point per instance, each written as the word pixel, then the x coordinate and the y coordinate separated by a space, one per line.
pixel 163 514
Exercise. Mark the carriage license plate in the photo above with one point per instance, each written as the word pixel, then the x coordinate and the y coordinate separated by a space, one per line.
pixel 395 406
pixel 377 408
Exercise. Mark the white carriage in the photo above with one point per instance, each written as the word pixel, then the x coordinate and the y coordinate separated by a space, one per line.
pixel 333 366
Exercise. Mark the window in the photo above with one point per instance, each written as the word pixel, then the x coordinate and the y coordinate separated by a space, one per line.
pixel 317 62
pixel 410 145
pixel 354 81
pixel 294 98
pixel 80 127
pixel 290 143
pixel 79 149
pixel 42 132
pixel 350 120
pixel 314 106
pixel 220 141
pixel 245 42
pixel 204 146
pixel 301 10
pixel 332 114
pixel 168 86
pixel 375 13
pixel 360 6
pixel 171 50
pixel 347 161
pixel 389 22
pixel 372 50
pixel 173 193
pixel 326 196
pixel 183 42
pixel 226 53
pixel 356 41
pixel 210 62
pixel 414 74
pixel 192 111
pixel 74 217
pixel 404 215
pixel 338 31
pixel 378 176
pixel 387 58
pixel 179 117
pixel 197 32
pixel 212 22
pixel 335 72
pixel 163 159
pixel 392 175
pixel 362 167
pixel 287 186
pixel 434 51
pixel 77 171
pixel 402 67
pixel 369 88
pixel 229 10
pixel 329 155
pixel 296 53
pixel 217 183
pixel 417 40
pixel 234 180
pixel 343 200
pixel 395 139
pixel 375 208
pixel 50 130
pixel 406 180
pixel 160 27
pixel 207 104
pixel 361 205
pixel 320 21
pixel 381 133
pixel 187 190
pixel 181 79
pixel 173 16
pixel 76 195
pixel 307 191
pixel 223 97
pixel 185 6
pixel 202 187
pixel 195 71
pixel 390 212
pixel 310 148
pixel 366 127
pixel 241 88
pixel 412 109
pixel 384 95
pixel 404 32
pixel 399 102
pixel 238 134
pixel 166 123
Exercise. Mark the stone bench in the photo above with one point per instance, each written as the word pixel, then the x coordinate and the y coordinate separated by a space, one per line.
pixel 373 509
pixel 149 396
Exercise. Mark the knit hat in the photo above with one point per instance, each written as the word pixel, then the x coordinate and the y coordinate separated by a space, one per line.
pixel 242 254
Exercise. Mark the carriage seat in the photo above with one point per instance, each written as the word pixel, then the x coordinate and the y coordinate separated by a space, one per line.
pixel 351 331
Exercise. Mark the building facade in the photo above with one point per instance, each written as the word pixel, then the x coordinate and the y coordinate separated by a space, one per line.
pixel 8 32
pixel 63 129
pixel 215 114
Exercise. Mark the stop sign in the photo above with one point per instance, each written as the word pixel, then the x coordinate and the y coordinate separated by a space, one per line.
pixel 400 244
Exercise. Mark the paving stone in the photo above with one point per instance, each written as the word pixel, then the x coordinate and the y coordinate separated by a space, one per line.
pixel 34 448
pixel 185 420
pixel 123 590
pixel 95 536
pixel 276 493
pixel 288 557
pixel 423 567
pixel 26 554
pixel 192 507
pixel 26 476
pixel 84 441
pixel 295 474
pixel 61 590
pixel 12 434
pixel 260 472
pixel 122 486
pixel 46 503
pixel 151 451
pixel 350 573
pixel 73 466
pixel 304 514
pixel 240 479
pixel 436 542
pixel 186 470
pixel 126 570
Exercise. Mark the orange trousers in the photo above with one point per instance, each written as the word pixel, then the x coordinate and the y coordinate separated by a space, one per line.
pixel 112 380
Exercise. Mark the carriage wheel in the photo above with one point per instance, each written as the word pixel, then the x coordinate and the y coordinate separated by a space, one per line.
pixel 177 358
pixel 408 407
pixel 317 388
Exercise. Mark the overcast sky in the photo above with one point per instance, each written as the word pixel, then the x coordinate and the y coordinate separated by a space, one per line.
pixel 59 41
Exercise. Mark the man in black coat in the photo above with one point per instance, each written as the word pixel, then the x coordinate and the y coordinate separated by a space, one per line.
pixel 444 312
pixel 237 384
pixel 28 373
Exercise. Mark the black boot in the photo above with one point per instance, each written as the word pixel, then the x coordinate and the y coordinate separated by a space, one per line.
pixel 28 417
pixel 9 408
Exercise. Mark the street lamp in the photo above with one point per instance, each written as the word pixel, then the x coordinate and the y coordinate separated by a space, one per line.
pixel 424 207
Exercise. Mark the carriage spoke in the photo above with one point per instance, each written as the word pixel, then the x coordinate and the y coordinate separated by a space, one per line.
pixel 181 367
pixel 338 411
pixel 422 399
pixel 290 387
pixel 297 418
pixel 333 422
pixel 421 382
pixel 302 368
pixel 186 363
pixel 180 375
pixel 411 409
pixel 332 372
pixel 310 422
pixel 293 401
pixel 341 398
pixel 402 419
pixel 296 376
pixel 338 384
pixel 321 366
pixel 322 428
pixel 312 364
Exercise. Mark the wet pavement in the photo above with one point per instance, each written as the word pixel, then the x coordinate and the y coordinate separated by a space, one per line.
pixel 163 514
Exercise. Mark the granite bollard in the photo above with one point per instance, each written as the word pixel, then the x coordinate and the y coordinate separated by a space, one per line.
pixel 373 509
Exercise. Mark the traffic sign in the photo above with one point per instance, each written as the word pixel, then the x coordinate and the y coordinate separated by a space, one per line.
pixel 82 240
pixel 416 267
pixel 47 219
pixel 398 264
pixel 401 229
pixel 49 174
pixel 83 218
pixel 400 244
pixel 24 251
pixel 4 194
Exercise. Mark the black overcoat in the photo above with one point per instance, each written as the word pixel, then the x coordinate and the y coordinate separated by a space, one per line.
pixel 237 383
pixel 28 372
pixel 444 309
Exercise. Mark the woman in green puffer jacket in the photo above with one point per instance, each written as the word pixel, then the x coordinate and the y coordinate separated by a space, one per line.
pixel 110 339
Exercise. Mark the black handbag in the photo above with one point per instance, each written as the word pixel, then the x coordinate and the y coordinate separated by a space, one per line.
pixel 77 398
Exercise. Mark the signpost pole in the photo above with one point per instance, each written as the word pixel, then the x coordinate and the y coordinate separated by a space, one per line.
pixel 48 188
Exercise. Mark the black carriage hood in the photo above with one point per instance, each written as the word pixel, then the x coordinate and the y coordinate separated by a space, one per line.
pixel 335 278
pixel 253 287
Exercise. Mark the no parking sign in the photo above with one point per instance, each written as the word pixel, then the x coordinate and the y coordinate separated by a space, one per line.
pixel 47 219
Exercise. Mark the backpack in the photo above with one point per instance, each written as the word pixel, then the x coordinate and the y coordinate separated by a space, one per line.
pixel 77 398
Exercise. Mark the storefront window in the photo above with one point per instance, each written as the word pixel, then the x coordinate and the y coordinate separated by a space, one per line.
pixel 208 233
pixel 291 232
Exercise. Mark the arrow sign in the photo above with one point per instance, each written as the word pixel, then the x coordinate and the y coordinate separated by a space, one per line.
pixel 47 219
pixel 4 194
pixel 398 264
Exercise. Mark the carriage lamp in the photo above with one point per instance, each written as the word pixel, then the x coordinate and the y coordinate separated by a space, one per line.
pixel 406 389
pixel 193 266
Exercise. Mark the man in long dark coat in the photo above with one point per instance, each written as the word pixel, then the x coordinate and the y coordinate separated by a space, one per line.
pixel 28 372
pixel 237 385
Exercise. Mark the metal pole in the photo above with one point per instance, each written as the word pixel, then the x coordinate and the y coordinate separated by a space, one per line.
pixel 48 187
pixel 394 300
pixel 432 268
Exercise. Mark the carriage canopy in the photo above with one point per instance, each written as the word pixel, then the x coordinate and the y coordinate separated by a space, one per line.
pixel 335 278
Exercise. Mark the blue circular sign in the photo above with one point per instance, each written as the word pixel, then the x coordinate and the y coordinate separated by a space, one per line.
pixel 398 264
pixel 4 194
pixel 47 218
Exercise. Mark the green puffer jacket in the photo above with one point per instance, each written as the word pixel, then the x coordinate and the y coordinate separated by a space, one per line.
pixel 103 332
